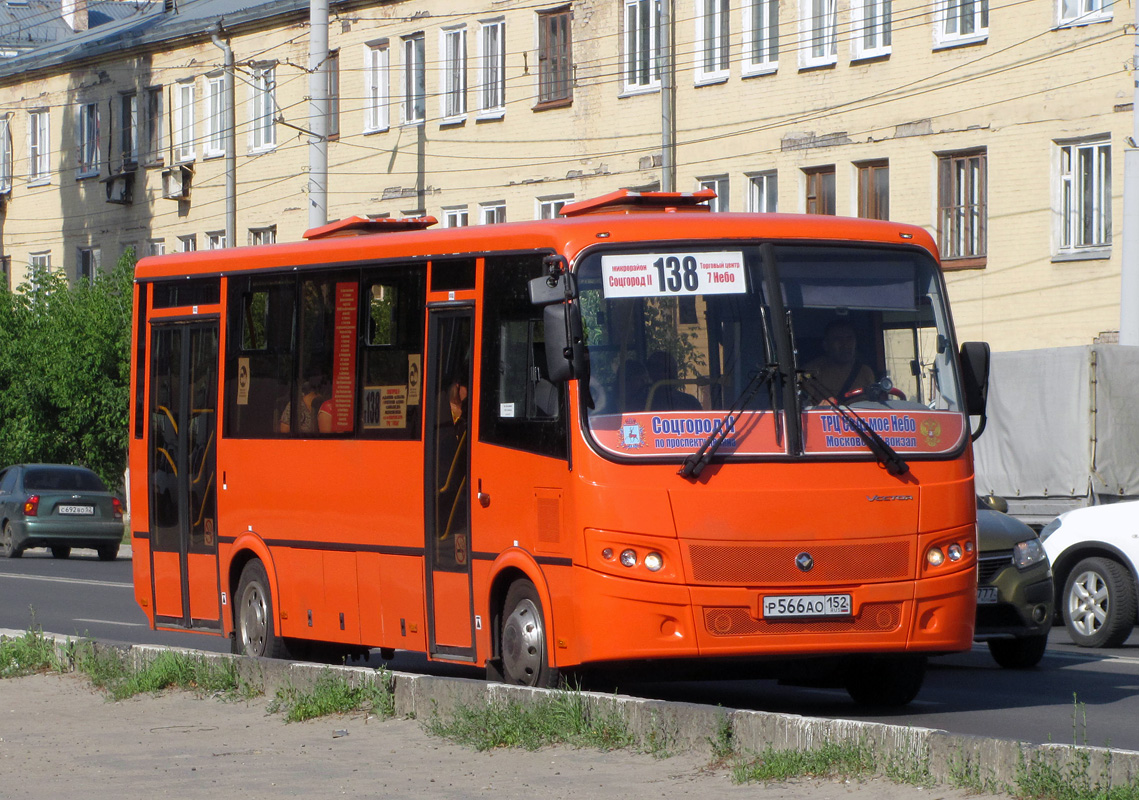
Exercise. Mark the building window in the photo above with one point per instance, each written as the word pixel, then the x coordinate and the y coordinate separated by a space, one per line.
pixel 962 206
pixel 491 213
pixel 215 240
pixel 154 117
pixel 718 184
pixel 128 128
pixel 6 157
pixel 39 147
pixel 456 217
pixel 712 57
pixel 414 91
pixel 215 115
pixel 88 263
pixel 871 28
pixel 961 22
pixel 555 82
pixel 761 36
pixel 184 122
pixel 642 45
pixel 188 244
pixel 1085 196
pixel 333 93
pixel 263 91
pixel 820 190
pixel 156 247
pixel 763 192
pixel 87 141
pixel 266 235
pixel 492 69
pixel 41 260
pixel 376 87
pixel 819 44
pixel 874 190
pixel 1084 12
pixel 454 98
pixel 550 207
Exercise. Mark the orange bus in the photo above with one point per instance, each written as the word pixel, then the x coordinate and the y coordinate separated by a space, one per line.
pixel 637 434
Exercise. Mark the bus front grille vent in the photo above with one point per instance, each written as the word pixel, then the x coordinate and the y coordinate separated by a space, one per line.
pixel 874 617
pixel 860 562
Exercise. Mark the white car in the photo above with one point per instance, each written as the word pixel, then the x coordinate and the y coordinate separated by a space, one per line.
pixel 1094 553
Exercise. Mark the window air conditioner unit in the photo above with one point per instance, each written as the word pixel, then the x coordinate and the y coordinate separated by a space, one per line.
pixel 120 188
pixel 176 182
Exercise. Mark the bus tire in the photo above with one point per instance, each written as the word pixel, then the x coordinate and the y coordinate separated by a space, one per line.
pixel 525 643
pixel 1098 603
pixel 886 681
pixel 255 627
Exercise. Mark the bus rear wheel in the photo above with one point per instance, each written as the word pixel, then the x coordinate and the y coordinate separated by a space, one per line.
pixel 255 627
pixel 524 640
pixel 885 681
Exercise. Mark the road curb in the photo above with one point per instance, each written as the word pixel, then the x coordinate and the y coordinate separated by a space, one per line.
pixel 675 727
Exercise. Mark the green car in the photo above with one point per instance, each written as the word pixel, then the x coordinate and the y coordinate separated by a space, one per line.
pixel 1014 587
pixel 58 507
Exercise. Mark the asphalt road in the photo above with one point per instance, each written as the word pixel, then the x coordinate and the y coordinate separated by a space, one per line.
pixel 1075 695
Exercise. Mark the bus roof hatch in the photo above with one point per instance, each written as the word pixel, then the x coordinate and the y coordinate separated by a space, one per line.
pixel 627 201
pixel 359 226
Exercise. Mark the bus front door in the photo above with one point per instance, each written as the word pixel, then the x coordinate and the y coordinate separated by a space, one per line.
pixel 447 488
pixel 183 484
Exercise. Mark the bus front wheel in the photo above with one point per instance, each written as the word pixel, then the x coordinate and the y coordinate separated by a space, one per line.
pixel 524 641
pixel 886 681
pixel 255 627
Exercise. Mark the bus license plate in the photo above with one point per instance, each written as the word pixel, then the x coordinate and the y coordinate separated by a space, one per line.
pixel 986 595
pixel 807 605
pixel 84 510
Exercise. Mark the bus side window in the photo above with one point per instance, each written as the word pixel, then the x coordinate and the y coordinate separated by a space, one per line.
pixel 520 407
pixel 391 362
pixel 259 358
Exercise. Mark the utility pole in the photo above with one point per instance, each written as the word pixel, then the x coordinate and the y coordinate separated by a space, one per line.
pixel 1129 272
pixel 667 100
pixel 318 114
pixel 229 130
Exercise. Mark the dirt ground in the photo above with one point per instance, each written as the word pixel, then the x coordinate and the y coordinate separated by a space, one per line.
pixel 59 738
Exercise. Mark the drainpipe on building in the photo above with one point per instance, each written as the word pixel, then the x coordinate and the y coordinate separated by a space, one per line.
pixel 667 101
pixel 230 133
pixel 1129 278
pixel 318 114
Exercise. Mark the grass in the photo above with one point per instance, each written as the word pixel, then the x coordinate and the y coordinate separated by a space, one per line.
pixel 29 654
pixel 333 694
pixel 111 671
pixel 830 760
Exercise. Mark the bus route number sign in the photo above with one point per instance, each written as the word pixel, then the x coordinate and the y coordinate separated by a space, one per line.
pixel 673 274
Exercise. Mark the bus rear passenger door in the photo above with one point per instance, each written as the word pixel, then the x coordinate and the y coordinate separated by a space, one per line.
pixel 447 404
pixel 183 485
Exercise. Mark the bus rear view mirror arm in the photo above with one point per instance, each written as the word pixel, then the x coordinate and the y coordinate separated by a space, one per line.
pixel 975 380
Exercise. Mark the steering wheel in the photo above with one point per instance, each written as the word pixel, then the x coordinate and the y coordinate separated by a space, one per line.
pixel 878 392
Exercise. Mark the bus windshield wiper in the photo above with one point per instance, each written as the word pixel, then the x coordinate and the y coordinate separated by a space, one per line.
pixel 694 464
pixel 887 456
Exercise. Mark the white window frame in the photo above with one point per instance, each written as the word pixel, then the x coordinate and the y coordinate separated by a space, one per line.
pixel 763 192
pixel 39 146
pixel 761 37
pixel 818 27
pixel 492 68
pixel 640 62
pixel 377 65
pixel 155 119
pixel 40 260
pixel 548 207
pixel 1083 198
pixel 128 123
pixel 7 162
pixel 453 74
pixel 950 16
pixel 215 116
pixel 713 53
pixel 87 141
pixel 263 235
pixel 413 108
pixel 263 108
pixel 721 185
pixel 156 247
pixel 88 262
pixel 183 133
pixel 1071 13
pixel 188 243
pixel 215 240
pixel 492 213
pixel 871 23
pixel 456 217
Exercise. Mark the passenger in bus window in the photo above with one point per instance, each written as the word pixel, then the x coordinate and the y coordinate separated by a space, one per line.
pixel 838 371
pixel 311 399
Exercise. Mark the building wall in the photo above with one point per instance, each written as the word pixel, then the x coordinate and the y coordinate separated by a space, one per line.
pixel 1014 92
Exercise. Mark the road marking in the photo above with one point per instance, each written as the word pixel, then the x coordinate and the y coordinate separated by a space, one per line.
pixel 112 622
pixel 49 579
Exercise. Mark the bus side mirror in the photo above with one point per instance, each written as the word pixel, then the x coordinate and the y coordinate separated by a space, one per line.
pixel 975 380
pixel 565 350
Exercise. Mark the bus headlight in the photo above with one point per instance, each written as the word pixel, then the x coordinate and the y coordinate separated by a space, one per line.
pixel 954 552
pixel 654 561
pixel 935 557
pixel 628 558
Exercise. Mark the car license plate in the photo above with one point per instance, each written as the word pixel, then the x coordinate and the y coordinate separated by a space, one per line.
pixel 986 595
pixel 806 605
pixel 81 510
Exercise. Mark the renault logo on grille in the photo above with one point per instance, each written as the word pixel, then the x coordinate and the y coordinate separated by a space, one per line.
pixel 804 562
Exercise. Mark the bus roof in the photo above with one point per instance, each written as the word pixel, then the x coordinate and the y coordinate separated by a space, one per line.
pixel 568 236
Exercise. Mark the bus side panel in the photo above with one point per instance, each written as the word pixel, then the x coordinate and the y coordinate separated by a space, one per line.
pixel 394 593
pixel 140 567
pixel 204 593
pixel 300 584
pixel 167 585
pixel 341 598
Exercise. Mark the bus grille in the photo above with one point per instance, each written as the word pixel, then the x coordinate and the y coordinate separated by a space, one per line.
pixel 775 564
pixel 876 617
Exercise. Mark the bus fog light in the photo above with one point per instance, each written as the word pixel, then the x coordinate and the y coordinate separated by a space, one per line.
pixel 954 552
pixel 968 547
pixel 607 553
pixel 629 558
pixel 935 557
pixel 653 562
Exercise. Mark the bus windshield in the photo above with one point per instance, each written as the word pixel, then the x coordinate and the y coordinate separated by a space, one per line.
pixel 675 335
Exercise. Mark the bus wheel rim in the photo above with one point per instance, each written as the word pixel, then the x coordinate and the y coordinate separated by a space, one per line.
pixel 253 616
pixel 523 643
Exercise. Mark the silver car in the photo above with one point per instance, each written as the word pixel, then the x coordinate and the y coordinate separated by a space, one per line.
pixel 58 507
